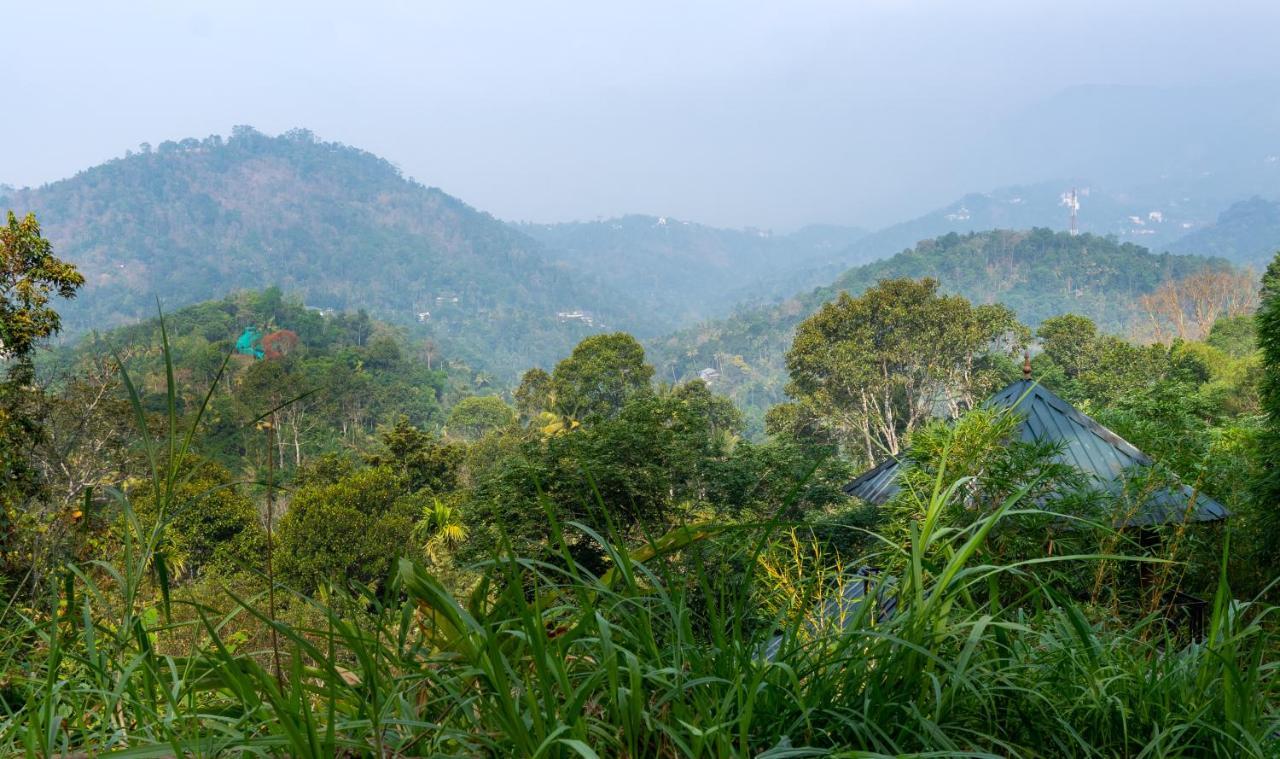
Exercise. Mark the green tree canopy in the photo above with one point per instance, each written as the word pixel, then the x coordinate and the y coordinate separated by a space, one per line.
pixel 872 368
pixel 478 415
pixel 419 458
pixel 352 529
pixel 534 395
pixel 601 374
pixel 29 275
pixel 1070 341
pixel 1267 490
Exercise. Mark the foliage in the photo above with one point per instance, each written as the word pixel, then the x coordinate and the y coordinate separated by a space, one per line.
pixel 347 375
pixel 477 415
pixel 1267 488
pixel 875 367
pixel 351 530
pixel 422 461
pixel 1037 274
pixel 600 376
pixel 1234 336
pixel 638 579
pixel 534 396
pixel 561 662
pixel 29 275
pixel 212 523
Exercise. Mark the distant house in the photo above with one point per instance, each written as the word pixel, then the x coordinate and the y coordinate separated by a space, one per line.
pixel 1094 450
pixel 576 315
pixel 423 316
pixel 708 375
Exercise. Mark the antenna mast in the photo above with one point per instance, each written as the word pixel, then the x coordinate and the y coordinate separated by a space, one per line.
pixel 1073 202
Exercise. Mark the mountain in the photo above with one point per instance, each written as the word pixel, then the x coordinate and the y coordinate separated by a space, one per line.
pixel 1160 144
pixel 340 227
pixel 1149 220
pixel 1038 273
pixel 1247 233
pixel 687 271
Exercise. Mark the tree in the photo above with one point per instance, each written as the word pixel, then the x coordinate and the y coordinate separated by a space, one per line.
pixel 213 525
pixel 419 458
pixel 1267 488
pixel 1070 341
pixel 352 529
pixel 600 376
pixel 872 368
pixel 29 275
pixel 1187 308
pixel 533 396
pixel 1235 336
pixel 474 417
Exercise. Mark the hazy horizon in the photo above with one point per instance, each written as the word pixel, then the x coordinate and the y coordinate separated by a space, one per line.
pixel 765 116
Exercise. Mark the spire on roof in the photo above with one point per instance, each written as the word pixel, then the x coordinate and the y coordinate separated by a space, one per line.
pixel 1026 364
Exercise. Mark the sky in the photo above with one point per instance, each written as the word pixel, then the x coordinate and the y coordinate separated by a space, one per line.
pixel 763 114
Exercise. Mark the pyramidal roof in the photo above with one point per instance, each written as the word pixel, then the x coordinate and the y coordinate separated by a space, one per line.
pixel 1084 444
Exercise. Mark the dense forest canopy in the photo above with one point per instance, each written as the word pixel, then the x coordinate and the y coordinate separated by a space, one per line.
pixel 1038 274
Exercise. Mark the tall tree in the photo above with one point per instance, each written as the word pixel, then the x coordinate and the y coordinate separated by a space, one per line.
pixel 477 415
pixel 1267 489
pixel 1187 308
pixel 871 369
pixel 1070 341
pixel 600 376
pixel 29 276
pixel 533 396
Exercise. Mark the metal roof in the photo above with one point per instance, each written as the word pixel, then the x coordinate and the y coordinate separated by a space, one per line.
pixel 1084 444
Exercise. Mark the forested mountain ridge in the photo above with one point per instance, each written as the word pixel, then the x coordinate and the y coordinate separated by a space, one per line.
pixel 691 271
pixel 1037 273
pixel 340 227
pixel 1247 233
pixel 1148 218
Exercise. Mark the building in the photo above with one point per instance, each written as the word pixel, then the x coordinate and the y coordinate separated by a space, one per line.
pixel 1084 444
pixel 1094 450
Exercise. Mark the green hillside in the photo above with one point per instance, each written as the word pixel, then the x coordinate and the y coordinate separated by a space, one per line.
pixel 341 228
pixel 350 374
pixel 1038 274
pixel 1247 233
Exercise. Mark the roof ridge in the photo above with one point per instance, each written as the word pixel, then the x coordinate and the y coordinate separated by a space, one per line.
pixel 1062 406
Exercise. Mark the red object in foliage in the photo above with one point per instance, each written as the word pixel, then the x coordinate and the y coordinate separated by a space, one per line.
pixel 279 343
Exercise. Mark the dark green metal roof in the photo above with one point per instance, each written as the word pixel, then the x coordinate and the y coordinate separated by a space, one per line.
pixel 1084 444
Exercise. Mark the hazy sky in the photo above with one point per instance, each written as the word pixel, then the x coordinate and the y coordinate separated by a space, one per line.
pixel 768 114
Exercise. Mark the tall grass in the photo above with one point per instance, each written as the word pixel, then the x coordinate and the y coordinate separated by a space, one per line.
pixel 660 656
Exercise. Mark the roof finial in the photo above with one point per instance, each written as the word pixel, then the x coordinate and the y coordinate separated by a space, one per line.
pixel 1026 364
